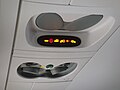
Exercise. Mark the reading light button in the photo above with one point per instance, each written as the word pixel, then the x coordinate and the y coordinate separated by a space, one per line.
pixel 50 66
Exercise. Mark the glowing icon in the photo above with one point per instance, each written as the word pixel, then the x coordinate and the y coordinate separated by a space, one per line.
pixel 67 41
pixel 46 40
pixel 41 66
pixel 56 40
pixel 51 40
pixel 73 41
pixel 62 41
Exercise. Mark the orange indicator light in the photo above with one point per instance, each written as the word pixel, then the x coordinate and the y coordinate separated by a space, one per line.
pixel 46 40
pixel 67 41
pixel 73 41
pixel 56 40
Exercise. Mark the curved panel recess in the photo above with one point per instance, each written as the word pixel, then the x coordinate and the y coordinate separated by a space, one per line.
pixel 89 29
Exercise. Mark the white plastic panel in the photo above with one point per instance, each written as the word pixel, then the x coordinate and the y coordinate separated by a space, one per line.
pixel 30 9
pixel 96 3
pixel 16 62
pixel 103 70
pixel 89 36
pixel 51 86
pixel 8 16
pixel 18 86
pixel 51 1
pixel 48 55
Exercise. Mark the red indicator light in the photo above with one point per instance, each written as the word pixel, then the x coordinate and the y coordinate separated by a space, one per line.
pixel 51 40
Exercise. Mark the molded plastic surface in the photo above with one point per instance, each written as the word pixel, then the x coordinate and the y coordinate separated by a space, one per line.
pixel 89 43
pixel 17 61
pixel 53 21
pixel 51 1
pixel 89 33
pixel 96 3
pixel 31 70
pixel 8 16
pixel 102 72
pixel 19 86
pixel 106 77
pixel 49 21
pixel 37 86
pixel 51 86
pixel 50 55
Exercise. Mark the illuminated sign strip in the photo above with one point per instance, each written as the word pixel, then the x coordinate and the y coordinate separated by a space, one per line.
pixel 58 41
pixel 51 40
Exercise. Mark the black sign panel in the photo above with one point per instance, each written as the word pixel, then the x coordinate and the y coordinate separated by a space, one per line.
pixel 58 41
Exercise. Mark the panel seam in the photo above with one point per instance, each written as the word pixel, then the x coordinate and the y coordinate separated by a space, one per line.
pixel 70 2
pixel 17 19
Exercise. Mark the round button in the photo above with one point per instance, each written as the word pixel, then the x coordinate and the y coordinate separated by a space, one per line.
pixel 50 66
